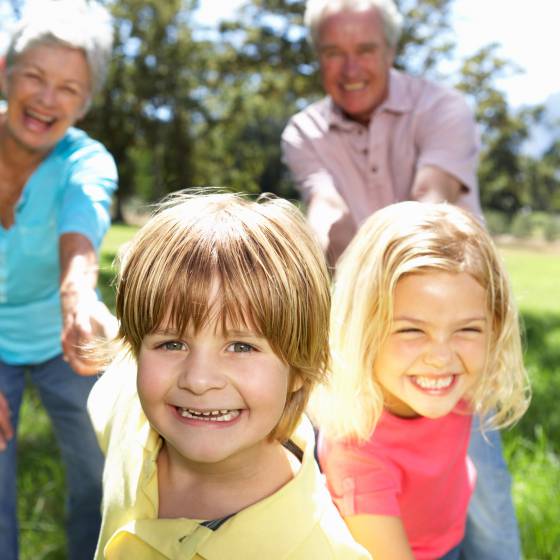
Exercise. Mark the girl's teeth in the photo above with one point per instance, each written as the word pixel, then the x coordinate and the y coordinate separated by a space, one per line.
pixel 434 382
pixel 222 415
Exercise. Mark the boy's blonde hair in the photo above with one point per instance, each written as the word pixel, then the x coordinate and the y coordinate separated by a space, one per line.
pixel 272 277
pixel 401 239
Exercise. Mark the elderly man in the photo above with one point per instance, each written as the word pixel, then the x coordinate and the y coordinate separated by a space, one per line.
pixel 382 136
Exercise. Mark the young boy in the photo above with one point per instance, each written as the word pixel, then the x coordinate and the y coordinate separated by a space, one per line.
pixel 223 305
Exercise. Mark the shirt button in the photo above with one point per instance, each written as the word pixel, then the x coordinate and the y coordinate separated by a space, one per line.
pixel 374 168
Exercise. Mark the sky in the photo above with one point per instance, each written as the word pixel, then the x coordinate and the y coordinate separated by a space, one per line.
pixel 527 33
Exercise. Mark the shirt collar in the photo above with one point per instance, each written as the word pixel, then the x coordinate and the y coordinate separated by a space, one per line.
pixel 259 530
pixel 398 101
pixel 293 510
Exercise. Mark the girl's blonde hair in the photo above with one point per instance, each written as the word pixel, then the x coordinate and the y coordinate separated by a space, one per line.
pixel 402 239
pixel 271 272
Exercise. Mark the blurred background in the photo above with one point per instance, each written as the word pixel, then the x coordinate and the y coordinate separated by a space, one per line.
pixel 198 94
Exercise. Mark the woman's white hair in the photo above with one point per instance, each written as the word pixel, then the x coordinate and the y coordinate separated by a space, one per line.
pixel 317 10
pixel 79 24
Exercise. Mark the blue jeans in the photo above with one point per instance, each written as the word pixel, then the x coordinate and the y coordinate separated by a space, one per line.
pixel 453 554
pixel 64 395
pixel 492 532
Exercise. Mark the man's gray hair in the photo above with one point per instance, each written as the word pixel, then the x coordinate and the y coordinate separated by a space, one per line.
pixel 78 24
pixel 317 10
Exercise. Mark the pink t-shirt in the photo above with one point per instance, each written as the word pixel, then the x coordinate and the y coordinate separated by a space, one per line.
pixel 359 170
pixel 416 469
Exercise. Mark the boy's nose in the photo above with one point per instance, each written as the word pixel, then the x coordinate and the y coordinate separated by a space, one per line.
pixel 200 375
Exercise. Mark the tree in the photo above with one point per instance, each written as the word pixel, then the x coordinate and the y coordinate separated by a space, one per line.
pixel 509 178
pixel 152 98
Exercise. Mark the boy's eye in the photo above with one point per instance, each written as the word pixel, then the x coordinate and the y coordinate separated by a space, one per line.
pixel 240 347
pixel 173 345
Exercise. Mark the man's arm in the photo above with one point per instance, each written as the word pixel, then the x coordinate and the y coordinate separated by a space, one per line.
pixel 383 536
pixel 447 141
pixel 432 184
pixel 327 213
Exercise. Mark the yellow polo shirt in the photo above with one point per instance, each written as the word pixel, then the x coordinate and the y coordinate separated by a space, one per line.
pixel 297 522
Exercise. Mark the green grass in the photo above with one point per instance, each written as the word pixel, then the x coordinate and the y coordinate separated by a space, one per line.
pixel 535 278
pixel 532 448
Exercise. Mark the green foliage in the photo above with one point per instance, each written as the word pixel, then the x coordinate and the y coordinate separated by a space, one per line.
pixel 551 228
pixel 427 36
pixel 498 223
pixel 509 178
pixel 521 225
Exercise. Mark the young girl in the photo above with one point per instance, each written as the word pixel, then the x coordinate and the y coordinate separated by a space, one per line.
pixel 424 335
pixel 224 307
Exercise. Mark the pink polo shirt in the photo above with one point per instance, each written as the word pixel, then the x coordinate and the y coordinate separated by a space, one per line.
pixel 360 170
pixel 416 469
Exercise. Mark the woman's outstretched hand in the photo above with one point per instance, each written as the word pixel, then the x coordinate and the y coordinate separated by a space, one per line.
pixel 85 318
pixel 6 429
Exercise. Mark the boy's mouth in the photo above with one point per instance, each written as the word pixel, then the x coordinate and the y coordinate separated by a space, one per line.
pixel 221 415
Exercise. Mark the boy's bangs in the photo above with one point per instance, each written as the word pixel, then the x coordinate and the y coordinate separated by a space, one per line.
pixel 226 288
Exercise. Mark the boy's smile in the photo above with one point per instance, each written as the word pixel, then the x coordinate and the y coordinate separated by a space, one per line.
pixel 209 415
pixel 437 345
pixel 213 396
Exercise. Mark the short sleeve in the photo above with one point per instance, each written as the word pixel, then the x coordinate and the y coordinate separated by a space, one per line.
pixel 86 200
pixel 111 392
pixel 327 213
pixel 447 138
pixel 306 168
pixel 359 481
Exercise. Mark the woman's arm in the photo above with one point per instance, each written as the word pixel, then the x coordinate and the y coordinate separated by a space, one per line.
pixel 382 535
pixel 83 315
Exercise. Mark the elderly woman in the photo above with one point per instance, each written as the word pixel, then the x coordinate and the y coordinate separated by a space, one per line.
pixel 55 191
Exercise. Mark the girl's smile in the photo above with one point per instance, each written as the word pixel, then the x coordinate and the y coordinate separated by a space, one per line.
pixel 437 345
pixel 434 384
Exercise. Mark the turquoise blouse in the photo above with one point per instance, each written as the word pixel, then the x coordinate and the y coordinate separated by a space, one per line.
pixel 70 191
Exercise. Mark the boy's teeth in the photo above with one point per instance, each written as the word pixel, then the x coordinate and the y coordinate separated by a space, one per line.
pixel 434 382
pixel 222 415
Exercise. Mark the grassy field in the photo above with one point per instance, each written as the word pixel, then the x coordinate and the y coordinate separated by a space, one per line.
pixel 532 447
